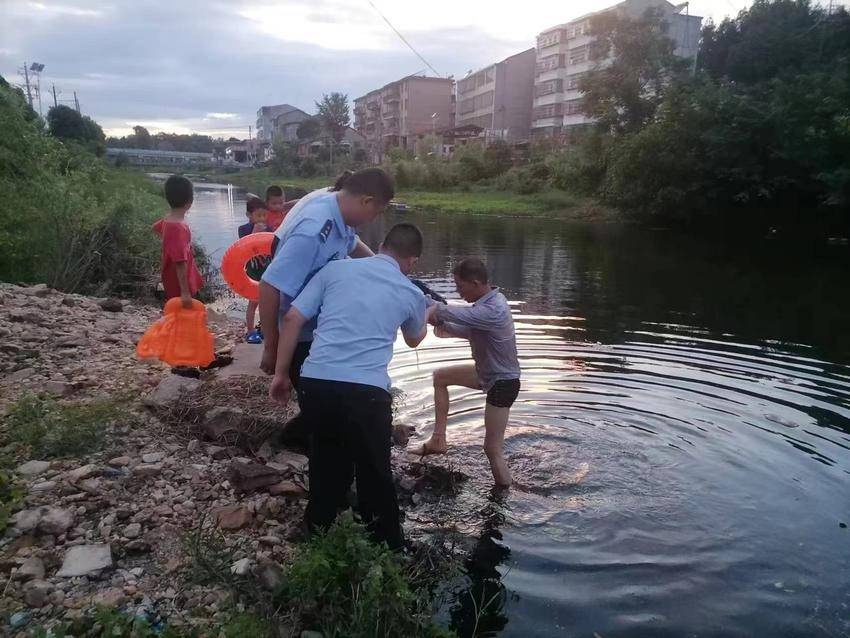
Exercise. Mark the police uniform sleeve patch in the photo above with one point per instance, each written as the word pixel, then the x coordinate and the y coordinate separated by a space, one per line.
pixel 326 230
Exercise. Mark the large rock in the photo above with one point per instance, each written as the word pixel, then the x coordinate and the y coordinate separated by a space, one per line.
pixel 289 461
pixel 31 569
pixel 241 567
pixel 21 315
pixel 82 560
pixel 55 520
pixel 249 477
pixel 36 593
pixel 27 520
pixel 144 470
pixel 233 516
pixel 112 305
pixel 109 598
pixel 169 391
pixel 401 434
pixel 287 488
pixel 269 574
pixel 33 468
pixel 59 388
pixel 82 473
pixel 226 424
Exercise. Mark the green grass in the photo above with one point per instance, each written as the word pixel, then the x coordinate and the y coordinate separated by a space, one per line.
pixel 480 200
pixel 256 180
pixel 43 428
pixel 495 202
pixel 343 585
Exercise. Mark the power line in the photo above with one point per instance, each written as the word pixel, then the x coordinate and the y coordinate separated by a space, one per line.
pixel 403 39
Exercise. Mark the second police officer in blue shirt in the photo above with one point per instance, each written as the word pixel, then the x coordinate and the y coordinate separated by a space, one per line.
pixel 323 231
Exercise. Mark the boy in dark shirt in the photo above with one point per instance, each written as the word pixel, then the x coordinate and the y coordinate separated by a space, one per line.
pixel 180 275
pixel 257 217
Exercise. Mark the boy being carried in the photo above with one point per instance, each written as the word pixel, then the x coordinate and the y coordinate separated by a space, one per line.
pixel 344 386
pixel 180 275
pixel 489 327
pixel 277 207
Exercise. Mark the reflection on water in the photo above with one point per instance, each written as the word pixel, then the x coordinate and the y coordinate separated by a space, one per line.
pixel 681 442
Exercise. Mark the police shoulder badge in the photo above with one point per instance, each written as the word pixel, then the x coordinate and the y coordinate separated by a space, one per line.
pixel 326 230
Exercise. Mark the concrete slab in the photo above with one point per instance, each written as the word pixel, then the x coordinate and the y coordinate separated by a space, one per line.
pixel 246 362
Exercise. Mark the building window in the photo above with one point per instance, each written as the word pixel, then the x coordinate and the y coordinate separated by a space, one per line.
pixel 578 54
pixel 573 107
pixel 551 38
pixel 573 80
pixel 547 111
pixel 549 87
pixel 550 63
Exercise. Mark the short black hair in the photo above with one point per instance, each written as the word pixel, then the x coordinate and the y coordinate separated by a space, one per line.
pixel 178 191
pixel 339 184
pixel 254 203
pixel 471 269
pixel 404 240
pixel 274 191
pixel 372 182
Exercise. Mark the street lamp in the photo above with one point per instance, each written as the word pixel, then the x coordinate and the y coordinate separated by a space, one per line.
pixel 434 132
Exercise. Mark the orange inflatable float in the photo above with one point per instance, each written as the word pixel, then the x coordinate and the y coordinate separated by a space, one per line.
pixel 236 259
pixel 181 337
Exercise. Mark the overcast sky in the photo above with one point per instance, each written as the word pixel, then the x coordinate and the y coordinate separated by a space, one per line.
pixel 207 65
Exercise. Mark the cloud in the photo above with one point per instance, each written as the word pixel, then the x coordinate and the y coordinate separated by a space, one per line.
pixel 208 65
pixel 51 9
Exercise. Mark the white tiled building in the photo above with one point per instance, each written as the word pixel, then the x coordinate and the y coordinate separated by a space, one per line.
pixel 563 56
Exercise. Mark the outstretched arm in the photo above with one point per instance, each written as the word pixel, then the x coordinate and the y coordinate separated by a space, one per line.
pixel 281 387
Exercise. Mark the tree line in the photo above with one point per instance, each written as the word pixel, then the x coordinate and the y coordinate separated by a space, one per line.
pixel 759 131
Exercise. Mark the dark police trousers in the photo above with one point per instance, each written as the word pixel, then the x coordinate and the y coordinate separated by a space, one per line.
pixel 351 427
pixel 296 431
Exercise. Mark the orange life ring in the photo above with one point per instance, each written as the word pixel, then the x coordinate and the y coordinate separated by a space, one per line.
pixel 237 257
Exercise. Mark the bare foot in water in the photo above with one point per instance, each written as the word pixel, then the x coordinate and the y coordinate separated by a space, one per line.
pixel 431 446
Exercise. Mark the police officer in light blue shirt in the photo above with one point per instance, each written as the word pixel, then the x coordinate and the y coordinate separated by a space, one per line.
pixel 323 232
pixel 344 386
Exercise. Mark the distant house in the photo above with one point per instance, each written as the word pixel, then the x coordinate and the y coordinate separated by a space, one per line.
pixel 351 141
pixel 245 151
pixel 285 125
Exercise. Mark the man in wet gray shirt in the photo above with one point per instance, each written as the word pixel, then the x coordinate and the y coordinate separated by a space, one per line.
pixel 489 327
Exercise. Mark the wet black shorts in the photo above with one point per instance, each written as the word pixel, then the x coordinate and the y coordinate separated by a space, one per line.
pixel 503 393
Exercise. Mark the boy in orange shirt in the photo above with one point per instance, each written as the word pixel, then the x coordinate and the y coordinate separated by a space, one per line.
pixel 180 275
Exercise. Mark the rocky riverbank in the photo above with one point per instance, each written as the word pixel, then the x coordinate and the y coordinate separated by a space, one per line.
pixel 174 475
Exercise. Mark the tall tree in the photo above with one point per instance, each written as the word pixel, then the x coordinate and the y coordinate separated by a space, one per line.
pixel 68 125
pixel 624 94
pixel 774 37
pixel 333 113
pixel 142 137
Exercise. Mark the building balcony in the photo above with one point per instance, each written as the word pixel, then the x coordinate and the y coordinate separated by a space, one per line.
pixel 391 97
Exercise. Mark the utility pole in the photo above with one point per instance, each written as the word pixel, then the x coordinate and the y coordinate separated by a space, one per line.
pixel 76 102
pixel 55 101
pixel 27 80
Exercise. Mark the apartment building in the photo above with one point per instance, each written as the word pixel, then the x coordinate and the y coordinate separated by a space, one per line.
pixel 499 98
pixel 280 119
pixel 397 114
pixel 564 55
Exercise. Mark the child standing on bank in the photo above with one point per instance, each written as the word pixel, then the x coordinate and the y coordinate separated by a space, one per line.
pixel 257 223
pixel 180 275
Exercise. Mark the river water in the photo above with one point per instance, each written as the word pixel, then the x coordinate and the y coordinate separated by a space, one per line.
pixel 681 443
